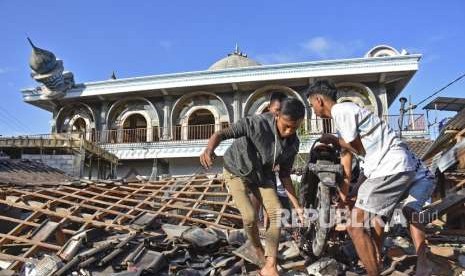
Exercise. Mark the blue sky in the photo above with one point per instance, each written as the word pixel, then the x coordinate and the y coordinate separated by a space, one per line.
pixel 136 38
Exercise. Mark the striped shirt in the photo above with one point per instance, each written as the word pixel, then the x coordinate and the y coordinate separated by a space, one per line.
pixel 385 154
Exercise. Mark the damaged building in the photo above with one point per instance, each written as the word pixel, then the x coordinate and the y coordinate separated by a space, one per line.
pixel 73 208
pixel 158 125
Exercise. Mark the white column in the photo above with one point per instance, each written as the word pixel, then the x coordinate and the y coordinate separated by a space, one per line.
pixel 102 126
pixel 237 106
pixel 382 94
pixel 167 117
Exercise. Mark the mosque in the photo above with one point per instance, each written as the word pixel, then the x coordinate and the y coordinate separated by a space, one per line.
pixel 158 125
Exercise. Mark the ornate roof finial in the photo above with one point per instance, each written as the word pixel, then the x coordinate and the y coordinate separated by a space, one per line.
pixel 41 61
pixel 30 42
pixel 49 71
pixel 113 76
pixel 237 52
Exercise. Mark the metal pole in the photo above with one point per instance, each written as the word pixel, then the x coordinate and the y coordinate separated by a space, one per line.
pixel 401 115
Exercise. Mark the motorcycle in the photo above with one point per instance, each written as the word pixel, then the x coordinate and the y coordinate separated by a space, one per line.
pixel 321 179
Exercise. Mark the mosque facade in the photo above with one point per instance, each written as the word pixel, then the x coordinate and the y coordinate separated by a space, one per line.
pixel 158 125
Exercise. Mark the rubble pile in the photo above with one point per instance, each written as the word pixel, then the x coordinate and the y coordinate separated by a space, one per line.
pixel 178 250
pixel 186 226
pixel 171 227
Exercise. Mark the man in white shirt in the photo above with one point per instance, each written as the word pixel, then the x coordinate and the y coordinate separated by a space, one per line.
pixel 392 173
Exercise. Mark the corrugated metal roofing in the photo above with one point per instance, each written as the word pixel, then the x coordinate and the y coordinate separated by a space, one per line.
pixel 445 138
pixel 28 172
pixel 446 104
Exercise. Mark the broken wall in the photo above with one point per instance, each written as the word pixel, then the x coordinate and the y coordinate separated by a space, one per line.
pixel 64 162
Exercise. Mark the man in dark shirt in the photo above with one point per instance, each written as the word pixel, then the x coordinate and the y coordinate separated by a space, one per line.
pixel 276 99
pixel 274 106
pixel 263 143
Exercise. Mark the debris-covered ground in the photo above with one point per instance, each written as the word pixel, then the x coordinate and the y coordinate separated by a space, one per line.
pixel 172 227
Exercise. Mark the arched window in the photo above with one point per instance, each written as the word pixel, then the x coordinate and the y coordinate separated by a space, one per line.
pixel 201 125
pixel 79 126
pixel 135 129
pixel 76 118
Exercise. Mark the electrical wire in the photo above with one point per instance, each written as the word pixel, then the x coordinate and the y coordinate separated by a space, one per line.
pixel 442 89
pixel 11 120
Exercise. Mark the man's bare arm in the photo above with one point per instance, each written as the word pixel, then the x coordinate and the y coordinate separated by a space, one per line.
pixel 206 158
pixel 291 194
pixel 346 162
pixel 355 146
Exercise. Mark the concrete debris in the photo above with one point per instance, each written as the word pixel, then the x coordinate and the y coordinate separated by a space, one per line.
pixel 222 261
pixel 290 250
pixel 7 273
pixel 143 221
pixel 44 267
pixel 235 269
pixel 200 237
pixel 174 231
pixel 219 233
pixel 110 227
pixel 322 267
pixel 248 253
pixel 400 242
pixel 461 260
pixel 141 178
pixel 237 237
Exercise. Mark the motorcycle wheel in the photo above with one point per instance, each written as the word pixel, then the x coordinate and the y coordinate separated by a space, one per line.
pixel 319 233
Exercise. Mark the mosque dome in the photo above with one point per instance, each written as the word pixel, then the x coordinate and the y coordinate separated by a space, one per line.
pixel 236 59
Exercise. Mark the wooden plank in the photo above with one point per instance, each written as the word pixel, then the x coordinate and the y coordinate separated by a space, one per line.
pixel 70 217
pixel 31 251
pixel 196 203
pixel 159 197
pixel 174 206
pixel 441 207
pixel 15 231
pixel 220 216
pixel 7 257
pixel 106 224
pixel 97 214
pixel 35 247
pixel 145 201
pixel 29 241
pixel 32 224
pixel 81 204
pixel 124 202
pixel 45 231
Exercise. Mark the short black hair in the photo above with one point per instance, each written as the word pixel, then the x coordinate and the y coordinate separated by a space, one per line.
pixel 293 108
pixel 277 96
pixel 326 88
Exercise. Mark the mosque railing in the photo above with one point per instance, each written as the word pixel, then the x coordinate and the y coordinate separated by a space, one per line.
pixel 314 127
pixel 195 132
pixel 414 124
pixel 157 134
